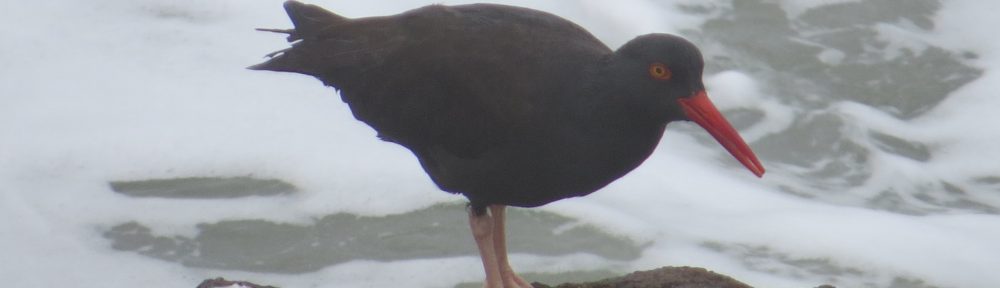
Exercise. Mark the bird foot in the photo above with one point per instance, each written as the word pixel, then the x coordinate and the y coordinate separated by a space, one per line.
pixel 511 280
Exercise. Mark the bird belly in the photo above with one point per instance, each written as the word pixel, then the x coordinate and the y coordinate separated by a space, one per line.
pixel 522 179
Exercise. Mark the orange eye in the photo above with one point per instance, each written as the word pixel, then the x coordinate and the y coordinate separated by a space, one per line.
pixel 659 71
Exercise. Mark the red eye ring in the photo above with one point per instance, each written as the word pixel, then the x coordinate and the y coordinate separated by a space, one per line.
pixel 659 71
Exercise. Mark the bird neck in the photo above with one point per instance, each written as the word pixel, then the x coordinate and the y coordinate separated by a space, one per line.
pixel 617 129
pixel 617 102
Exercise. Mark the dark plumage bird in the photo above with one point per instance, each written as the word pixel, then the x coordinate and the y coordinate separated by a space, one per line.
pixel 506 105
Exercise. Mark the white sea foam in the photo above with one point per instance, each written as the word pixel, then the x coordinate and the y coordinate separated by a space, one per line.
pixel 92 91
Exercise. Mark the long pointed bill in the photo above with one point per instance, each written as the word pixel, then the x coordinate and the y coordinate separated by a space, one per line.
pixel 701 110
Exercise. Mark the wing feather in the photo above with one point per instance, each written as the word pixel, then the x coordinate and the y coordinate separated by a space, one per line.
pixel 459 79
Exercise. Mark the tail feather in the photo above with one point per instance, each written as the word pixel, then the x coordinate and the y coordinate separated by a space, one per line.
pixel 308 20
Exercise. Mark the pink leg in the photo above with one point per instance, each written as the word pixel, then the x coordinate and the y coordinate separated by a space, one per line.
pixel 482 231
pixel 510 279
pixel 488 230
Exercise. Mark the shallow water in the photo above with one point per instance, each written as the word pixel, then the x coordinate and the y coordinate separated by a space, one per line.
pixel 139 152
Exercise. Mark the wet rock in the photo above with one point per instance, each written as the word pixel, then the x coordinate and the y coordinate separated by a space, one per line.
pixel 666 277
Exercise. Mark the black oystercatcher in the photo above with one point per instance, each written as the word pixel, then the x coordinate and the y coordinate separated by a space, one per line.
pixel 506 105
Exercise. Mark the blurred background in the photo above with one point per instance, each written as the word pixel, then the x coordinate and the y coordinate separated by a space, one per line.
pixel 136 151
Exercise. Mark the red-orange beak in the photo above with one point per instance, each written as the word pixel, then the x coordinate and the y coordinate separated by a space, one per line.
pixel 701 110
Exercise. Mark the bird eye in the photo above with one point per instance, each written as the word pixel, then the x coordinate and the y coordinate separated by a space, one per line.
pixel 659 71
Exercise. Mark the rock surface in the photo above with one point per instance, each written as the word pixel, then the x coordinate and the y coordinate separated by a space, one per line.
pixel 665 277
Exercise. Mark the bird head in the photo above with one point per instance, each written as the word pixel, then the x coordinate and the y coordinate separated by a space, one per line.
pixel 664 74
